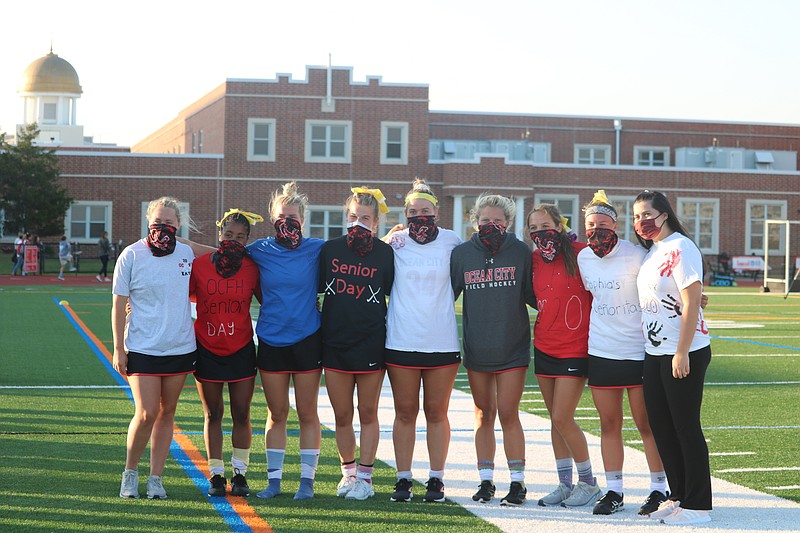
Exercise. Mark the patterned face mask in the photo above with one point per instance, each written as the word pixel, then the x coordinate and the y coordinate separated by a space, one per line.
pixel 423 228
pixel 548 241
pixel 288 232
pixel 601 240
pixel 647 228
pixel 359 238
pixel 492 236
pixel 228 258
pixel 161 239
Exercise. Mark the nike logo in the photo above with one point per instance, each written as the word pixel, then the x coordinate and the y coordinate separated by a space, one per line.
pixel 572 370
pixel 373 364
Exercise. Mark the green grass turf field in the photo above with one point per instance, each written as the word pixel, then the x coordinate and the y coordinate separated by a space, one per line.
pixel 62 449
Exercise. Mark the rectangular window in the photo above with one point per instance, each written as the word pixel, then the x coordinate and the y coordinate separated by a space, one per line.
pixel 194 143
pixel 567 204
pixel 757 212
pixel 49 113
pixel 325 222
pixel 86 221
pixel 592 154
pixel 700 217
pixel 394 143
pixel 651 156
pixel 328 141
pixel 183 231
pixel 200 142
pixel 624 207
pixel 260 139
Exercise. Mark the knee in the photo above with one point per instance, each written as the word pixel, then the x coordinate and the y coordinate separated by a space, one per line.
pixel 562 421
pixel 367 415
pixel 610 425
pixel 485 417
pixel 405 413
pixel 240 414
pixel 278 415
pixel 508 417
pixel 435 414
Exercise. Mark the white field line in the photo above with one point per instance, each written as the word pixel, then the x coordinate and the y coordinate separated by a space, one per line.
pixel 787 487
pixel 776 469
pixel 726 454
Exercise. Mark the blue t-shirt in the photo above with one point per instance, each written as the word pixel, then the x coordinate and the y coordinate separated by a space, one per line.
pixel 289 280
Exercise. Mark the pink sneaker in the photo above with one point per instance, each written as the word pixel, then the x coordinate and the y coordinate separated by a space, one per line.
pixel 665 509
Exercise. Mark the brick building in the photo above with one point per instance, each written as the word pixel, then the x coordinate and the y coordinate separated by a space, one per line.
pixel 236 145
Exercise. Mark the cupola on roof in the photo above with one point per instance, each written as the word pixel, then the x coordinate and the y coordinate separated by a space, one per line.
pixel 50 74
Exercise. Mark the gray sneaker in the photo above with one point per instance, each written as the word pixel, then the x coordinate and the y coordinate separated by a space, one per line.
pixel 583 494
pixel 155 490
pixel 129 488
pixel 560 494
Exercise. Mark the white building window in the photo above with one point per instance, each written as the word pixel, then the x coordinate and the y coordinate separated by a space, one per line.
pixel 568 206
pixel 261 139
pixel 49 113
pixel 624 207
pixel 194 142
pixel 328 141
pixel 394 143
pixel 328 222
pixel 757 212
pixel 86 221
pixel 700 217
pixel 183 231
pixel 651 156
pixel 592 154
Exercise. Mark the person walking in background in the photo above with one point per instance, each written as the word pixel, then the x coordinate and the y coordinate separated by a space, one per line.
pixel 356 276
pixel 154 346
pixel 19 255
pixel 65 257
pixel 104 252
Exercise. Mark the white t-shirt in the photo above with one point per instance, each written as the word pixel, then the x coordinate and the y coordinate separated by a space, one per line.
pixel 158 290
pixel 670 266
pixel 615 323
pixel 421 316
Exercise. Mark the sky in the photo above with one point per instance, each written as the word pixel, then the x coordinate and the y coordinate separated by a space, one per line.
pixel 140 63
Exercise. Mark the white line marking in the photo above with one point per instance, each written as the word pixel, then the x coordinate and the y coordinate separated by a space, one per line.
pixel 755 383
pixel 65 387
pixel 787 487
pixel 776 469
pixel 725 454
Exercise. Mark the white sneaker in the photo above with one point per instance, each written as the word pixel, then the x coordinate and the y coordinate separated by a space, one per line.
pixel 155 490
pixel 108 279
pixel 561 493
pixel 583 494
pixel 665 509
pixel 129 488
pixel 72 269
pixel 685 517
pixel 345 485
pixel 98 278
pixel 60 278
pixel 361 490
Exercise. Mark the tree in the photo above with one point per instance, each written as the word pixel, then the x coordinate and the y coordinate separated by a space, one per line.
pixel 30 195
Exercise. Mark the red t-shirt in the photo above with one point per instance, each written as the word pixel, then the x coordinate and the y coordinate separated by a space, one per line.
pixel 223 324
pixel 562 326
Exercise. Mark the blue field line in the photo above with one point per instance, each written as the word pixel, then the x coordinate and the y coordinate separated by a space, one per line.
pixel 220 504
pixel 743 341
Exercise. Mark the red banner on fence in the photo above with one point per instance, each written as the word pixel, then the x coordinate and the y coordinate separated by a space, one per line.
pixel 32 259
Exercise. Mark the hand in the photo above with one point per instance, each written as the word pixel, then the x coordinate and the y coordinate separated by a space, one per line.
pixel 703 300
pixel 120 362
pixel 388 237
pixel 680 365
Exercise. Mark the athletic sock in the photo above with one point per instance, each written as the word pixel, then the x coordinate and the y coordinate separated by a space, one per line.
pixel 436 473
pixel 275 463
pixel 306 489
pixel 405 474
pixel 658 481
pixel 564 469
pixel 486 470
pixel 308 463
pixel 365 472
pixel 349 468
pixel 585 472
pixel 517 469
pixel 240 459
pixel 216 466
pixel 614 481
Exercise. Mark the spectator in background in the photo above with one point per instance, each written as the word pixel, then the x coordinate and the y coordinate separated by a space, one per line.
pixel 105 251
pixel 19 255
pixel 65 256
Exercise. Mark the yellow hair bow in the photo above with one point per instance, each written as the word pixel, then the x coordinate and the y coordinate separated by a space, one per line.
pixel 600 196
pixel 252 218
pixel 376 193
pixel 564 223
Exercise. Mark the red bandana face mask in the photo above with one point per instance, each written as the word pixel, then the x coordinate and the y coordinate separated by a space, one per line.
pixel 359 239
pixel 288 232
pixel 601 240
pixel 492 236
pixel 647 228
pixel 161 239
pixel 423 228
pixel 228 258
pixel 548 241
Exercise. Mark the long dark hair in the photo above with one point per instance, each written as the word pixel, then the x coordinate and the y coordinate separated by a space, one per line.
pixel 660 203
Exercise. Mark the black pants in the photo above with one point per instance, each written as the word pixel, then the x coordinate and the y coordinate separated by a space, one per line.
pixel 104 268
pixel 673 407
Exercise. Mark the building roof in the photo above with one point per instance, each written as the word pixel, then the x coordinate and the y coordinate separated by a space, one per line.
pixel 50 74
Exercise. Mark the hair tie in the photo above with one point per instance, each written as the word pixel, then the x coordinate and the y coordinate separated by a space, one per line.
pixel 425 196
pixel 564 223
pixel 376 193
pixel 252 218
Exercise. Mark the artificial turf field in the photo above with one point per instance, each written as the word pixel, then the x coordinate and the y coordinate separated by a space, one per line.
pixel 64 420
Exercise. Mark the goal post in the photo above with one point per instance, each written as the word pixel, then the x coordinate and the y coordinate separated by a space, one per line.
pixel 786 237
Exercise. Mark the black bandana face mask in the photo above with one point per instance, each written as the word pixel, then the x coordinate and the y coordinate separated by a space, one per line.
pixel 548 241
pixel 288 232
pixel 492 236
pixel 423 228
pixel 359 238
pixel 161 239
pixel 601 240
pixel 228 258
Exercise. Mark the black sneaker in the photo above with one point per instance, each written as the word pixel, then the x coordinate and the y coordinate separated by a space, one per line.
pixel 485 492
pixel 516 494
pixel 218 484
pixel 402 491
pixel 610 503
pixel 239 485
pixel 652 502
pixel 435 492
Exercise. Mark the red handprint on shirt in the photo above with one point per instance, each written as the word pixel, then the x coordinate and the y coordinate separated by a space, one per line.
pixel 669 264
